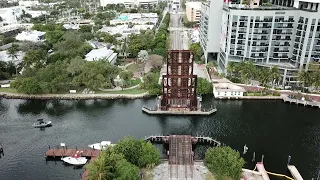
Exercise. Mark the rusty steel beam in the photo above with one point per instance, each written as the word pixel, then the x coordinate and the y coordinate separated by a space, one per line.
pixel 179 84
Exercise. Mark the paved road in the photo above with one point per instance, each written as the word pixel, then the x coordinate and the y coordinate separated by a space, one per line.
pixel 179 38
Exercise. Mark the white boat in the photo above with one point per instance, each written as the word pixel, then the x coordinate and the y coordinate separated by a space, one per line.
pixel 42 124
pixel 101 146
pixel 75 159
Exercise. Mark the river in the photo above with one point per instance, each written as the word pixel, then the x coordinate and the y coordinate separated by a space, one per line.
pixel 271 128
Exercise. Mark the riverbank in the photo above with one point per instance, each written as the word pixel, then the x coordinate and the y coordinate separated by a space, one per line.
pixel 72 96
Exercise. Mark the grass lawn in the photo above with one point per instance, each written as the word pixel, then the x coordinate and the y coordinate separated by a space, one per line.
pixel 8 90
pixel 130 91
pixel 134 68
pixel 135 81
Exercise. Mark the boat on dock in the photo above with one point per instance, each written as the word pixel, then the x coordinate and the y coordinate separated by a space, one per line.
pixel 75 159
pixel 101 146
pixel 42 124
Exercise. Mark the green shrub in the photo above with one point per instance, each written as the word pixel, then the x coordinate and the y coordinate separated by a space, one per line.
pixel 276 93
pixel 224 162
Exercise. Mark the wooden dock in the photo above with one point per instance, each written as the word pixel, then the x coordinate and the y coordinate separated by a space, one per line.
pixel 64 152
pixel 294 172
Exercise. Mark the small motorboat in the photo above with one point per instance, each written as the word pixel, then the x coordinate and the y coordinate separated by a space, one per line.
pixel 75 159
pixel 101 146
pixel 41 123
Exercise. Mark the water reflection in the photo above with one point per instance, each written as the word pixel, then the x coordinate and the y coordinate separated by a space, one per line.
pixel 271 128
pixel 58 107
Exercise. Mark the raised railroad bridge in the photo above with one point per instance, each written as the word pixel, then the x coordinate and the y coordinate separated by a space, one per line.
pixel 180 151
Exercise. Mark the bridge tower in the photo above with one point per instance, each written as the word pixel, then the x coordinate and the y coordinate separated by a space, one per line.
pixel 179 85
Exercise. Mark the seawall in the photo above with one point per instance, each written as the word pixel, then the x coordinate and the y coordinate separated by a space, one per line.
pixel 72 96
pixel 253 98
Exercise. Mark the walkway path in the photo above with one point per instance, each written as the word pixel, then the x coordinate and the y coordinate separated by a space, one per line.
pixel 314 97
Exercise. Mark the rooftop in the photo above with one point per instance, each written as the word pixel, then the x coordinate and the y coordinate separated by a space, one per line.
pixel 101 53
pixel 195 5
pixel 33 36
pixel 228 87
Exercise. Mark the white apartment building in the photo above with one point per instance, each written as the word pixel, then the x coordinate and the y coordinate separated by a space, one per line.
pixel 284 34
pixel 193 11
pixel 130 3
pixel 210 29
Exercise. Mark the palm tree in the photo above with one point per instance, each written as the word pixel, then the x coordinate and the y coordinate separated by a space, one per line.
pixel 315 79
pixel 274 75
pixel 124 47
pixel 264 77
pixel 231 68
pixel 247 71
pixel 305 78
pixel 98 169
pixel 13 53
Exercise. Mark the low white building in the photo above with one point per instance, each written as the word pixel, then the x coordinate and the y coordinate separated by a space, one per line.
pixel 11 15
pixel 227 90
pixel 13 27
pixel 35 14
pixel 4 56
pixel 124 30
pixel 29 3
pixel 135 18
pixel 34 36
pixel 71 26
pixel 130 3
pixel 102 53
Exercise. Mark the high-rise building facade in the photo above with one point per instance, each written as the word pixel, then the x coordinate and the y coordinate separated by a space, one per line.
pixel 281 33
pixel 193 11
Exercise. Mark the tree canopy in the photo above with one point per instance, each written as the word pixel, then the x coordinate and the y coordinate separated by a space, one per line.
pixel 224 162
pixel 151 84
pixel 123 161
pixel 197 51
pixel 204 86
pixel 138 152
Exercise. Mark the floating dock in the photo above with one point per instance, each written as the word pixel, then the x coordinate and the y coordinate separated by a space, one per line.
pixel 178 112
pixel 65 152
